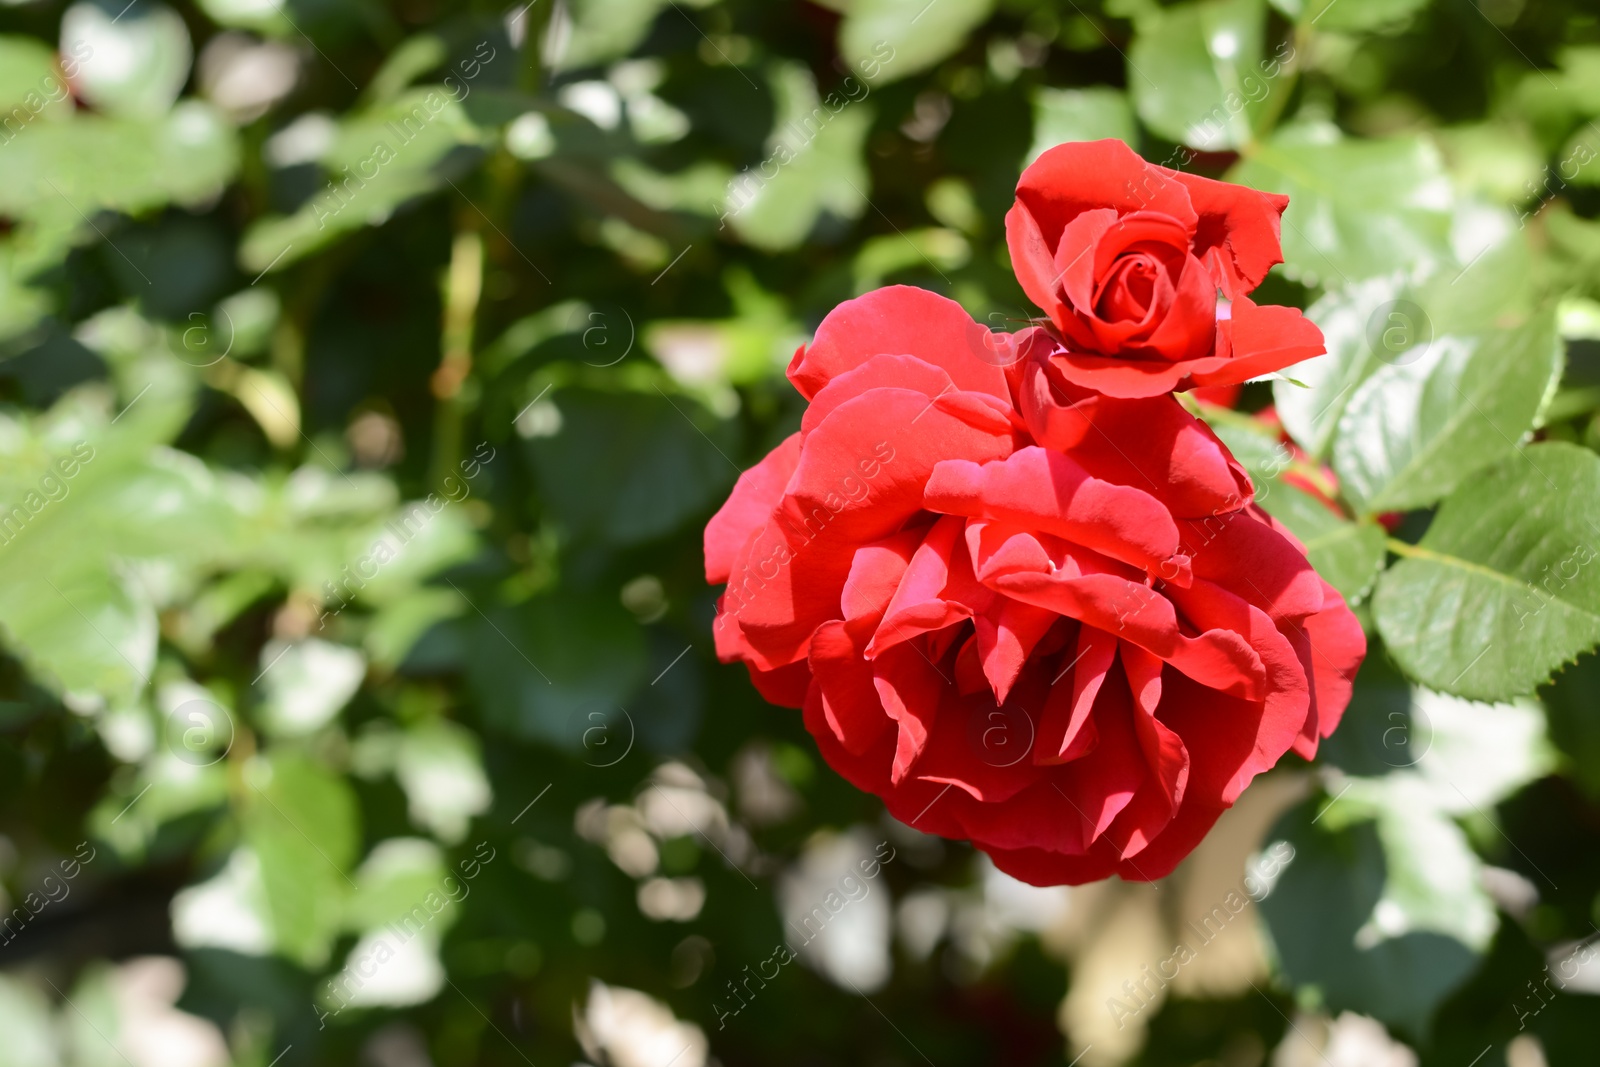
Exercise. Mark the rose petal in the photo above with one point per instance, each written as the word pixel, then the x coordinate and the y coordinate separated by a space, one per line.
pixel 786 687
pixel 1048 491
pixel 748 507
pixel 1239 230
pixel 911 691
pixel 1084 175
pixel 1152 444
pixel 1333 648
pixel 899 320
pixel 1241 552
pixel 886 440
pixel 1066 730
pixel 850 704
pixel 920 603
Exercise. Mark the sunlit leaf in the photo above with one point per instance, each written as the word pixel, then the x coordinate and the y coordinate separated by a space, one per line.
pixel 1195 72
pixel 1441 410
pixel 1356 208
pixel 1502 589
pixel 886 40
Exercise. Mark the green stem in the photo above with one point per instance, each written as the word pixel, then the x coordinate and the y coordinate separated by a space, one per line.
pixel 463 290
pixel 535 18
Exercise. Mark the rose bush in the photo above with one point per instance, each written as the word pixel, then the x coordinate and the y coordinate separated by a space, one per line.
pixel 1127 259
pixel 1020 610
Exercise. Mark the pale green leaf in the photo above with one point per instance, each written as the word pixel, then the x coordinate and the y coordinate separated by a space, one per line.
pixel 137 58
pixel 30 81
pixel 1356 208
pixel 185 156
pixel 440 767
pixel 305 684
pixel 1093 114
pixel 32 1036
pixel 379 159
pixel 885 40
pixel 1420 425
pixel 1346 317
pixel 1195 73
pixel 814 165
pixel 1349 16
pixel 602 30
pixel 301 821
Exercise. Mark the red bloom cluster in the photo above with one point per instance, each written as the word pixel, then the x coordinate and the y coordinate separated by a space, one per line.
pixel 1019 591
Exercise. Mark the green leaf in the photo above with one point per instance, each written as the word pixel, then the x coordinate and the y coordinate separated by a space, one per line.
pixel 95 1011
pixel 395 876
pixel 1356 208
pixel 1351 16
pixel 1573 705
pixel 1193 72
pixel 816 164
pixel 305 684
pixel 1345 316
pixel 414 57
pixel 1394 953
pixel 33 1038
pixel 1093 114
pixel 1501 590
pixel 750 346
pixel 1383 917
pixel 1348 554
pixel 1473 755
pixel 1444 409
pixel 95 163
pixel 1381 320
pixel 184 774
pixel 602 30
pixel 379 160
pixel 270 19
pixel 542 667
pixel 660 465
pixel 398 625
pixel 77 491
pixel 138 55
pixel 440 767
pixel 1253 442
pixel 228 910
pixel 301 821
pixel 1499 160
pixel 1554 100
pixel 922 249
pixel 886 40
pixel 29 80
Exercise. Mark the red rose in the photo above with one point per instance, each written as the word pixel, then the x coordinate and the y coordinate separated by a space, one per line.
pixel 1127 260
pixel 1019 611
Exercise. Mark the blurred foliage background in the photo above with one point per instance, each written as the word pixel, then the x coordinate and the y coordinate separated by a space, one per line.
pixel 369 371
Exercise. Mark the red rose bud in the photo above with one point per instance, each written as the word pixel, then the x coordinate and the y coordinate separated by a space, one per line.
pixel 1022 612
pixel 1127 259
